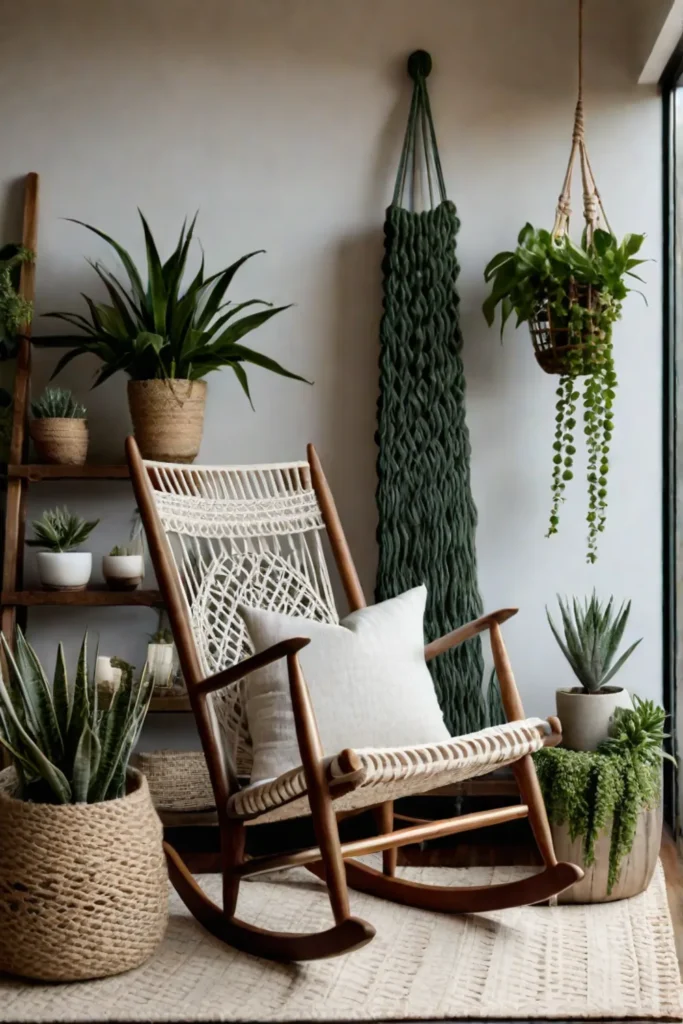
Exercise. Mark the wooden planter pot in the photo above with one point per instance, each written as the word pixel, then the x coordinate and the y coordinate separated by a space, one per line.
pixel 63 441
pixel 168 418
pixel 83 887
pixel 637 867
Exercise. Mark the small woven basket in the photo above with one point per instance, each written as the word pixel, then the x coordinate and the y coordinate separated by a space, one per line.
pixel 168 418
pixel 63 440
pixel 178 779
pixel 558 347
pixel 83 887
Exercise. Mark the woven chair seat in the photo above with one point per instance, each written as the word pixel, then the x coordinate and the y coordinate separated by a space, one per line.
pixel 389 773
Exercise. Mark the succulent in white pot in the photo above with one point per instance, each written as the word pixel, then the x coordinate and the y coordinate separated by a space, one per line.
pixel 59 532
pixel 124 567
pixel 592 635
pixel 161 660
pixel 59 428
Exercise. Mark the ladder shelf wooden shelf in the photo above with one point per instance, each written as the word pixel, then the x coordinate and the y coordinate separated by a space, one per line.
pixel 15 600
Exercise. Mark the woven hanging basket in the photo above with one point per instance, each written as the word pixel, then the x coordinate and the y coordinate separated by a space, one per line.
pixel 560 348
pixel 83 887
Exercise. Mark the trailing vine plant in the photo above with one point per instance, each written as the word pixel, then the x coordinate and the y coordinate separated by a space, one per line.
pixel 592 792
pixel 580 289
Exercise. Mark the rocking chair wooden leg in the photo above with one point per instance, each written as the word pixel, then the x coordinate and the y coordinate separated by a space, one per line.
pixel 384 819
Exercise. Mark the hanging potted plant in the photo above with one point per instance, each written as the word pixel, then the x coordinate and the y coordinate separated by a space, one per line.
pixel 83 883
pixel 59 428
pixel 605 806
pixel 60 566
pixel 592 634
pixel 167 337
pixel 571 295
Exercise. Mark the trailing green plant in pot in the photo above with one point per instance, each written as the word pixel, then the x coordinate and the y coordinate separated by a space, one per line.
pixel 167 337
pixel 70 792
pixel 590 639
pixel 605 807
pixel 59 532
pixel 570 295
pixel 59 428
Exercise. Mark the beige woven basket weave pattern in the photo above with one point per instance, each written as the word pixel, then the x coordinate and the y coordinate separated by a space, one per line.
pixel 178 779
pixel 63 441
pixel 83 887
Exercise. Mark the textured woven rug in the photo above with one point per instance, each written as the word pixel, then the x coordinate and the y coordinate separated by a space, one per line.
pixel 611 961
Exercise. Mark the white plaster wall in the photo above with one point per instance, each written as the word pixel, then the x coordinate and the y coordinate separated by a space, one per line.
pixel 281 121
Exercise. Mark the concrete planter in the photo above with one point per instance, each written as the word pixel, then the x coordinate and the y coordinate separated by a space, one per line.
pixel 586 717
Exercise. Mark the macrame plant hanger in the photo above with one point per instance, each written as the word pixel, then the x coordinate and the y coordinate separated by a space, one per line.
pixel 427 518
pixel 558 348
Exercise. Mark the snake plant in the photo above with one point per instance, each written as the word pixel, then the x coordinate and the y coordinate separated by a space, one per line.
pixel 65 749
pixel 162 330
pixel 57 404
pixel 60 530
pixel 592 634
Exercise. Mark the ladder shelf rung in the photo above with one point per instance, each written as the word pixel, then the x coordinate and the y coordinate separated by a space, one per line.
pixel 36 473
pixel 92 597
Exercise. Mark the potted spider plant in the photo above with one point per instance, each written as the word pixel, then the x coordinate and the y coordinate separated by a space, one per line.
pixel 590 639
pixel 167 335
pixel 59 532
pixel 83 883
pixel 59 428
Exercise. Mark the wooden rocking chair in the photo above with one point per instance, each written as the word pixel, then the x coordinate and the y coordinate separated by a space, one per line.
pixel 219 536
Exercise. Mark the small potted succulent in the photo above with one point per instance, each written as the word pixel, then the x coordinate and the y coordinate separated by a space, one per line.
pixel 59 533
pixel 591 637
pixel 161 660
pixel 124 567
pixel 81 857
pixel 167 335
pixel 59 428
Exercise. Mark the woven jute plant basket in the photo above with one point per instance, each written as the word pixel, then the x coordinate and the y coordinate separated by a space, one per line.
pixel 168 418
pixel 83 887
pixel 60 440
pixel 560 348
pixel 178 779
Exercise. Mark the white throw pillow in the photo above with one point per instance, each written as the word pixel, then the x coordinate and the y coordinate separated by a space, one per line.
pixel 368 679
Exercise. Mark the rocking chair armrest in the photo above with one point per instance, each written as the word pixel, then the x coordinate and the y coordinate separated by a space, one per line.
pixel 466 632
pixel 283 649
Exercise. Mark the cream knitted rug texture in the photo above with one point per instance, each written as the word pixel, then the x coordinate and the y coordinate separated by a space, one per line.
pixel 615 960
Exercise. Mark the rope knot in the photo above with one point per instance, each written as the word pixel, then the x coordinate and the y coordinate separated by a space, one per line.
pixel 579 123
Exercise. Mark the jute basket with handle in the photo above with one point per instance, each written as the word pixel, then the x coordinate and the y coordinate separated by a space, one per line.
pixel 83 887
pixel 168 418
pixel 61 440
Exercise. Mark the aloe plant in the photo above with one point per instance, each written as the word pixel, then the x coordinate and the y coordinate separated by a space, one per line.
pixel 159 330
pixel 64 747
pixel 60 530
pixel 592 634
pixel 59 404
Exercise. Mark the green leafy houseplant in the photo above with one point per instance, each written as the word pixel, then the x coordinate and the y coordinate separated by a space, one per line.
pixel 167 329
pixel 57 403
pixel 592 633
pixel 60 531
pixel 65 748
pixel 608 788
pixel 15 311
pixel 549 281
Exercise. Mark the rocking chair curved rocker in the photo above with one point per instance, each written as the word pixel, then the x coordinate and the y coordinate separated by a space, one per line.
pixel 219 536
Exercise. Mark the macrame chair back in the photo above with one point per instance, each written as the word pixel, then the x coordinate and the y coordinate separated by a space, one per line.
pixel 561 348
pixel 241 535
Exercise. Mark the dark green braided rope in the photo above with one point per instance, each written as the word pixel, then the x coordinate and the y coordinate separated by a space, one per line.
pixel 427 517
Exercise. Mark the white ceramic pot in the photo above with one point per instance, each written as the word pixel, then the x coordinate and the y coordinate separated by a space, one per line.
pixel 123 572
pixel 64 570
pixel 586 717
pixel 160 665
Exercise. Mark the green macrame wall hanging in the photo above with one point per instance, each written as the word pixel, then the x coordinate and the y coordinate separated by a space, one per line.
pixel 427 517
